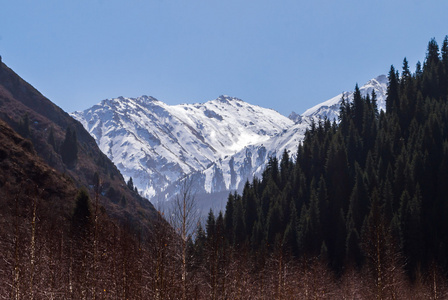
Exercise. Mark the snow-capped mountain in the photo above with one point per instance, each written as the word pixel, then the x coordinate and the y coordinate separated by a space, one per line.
pixel 156 144
pixel 330 108
pixel 222 143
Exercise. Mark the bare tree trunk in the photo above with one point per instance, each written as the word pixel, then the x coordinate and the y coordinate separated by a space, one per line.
pixel 279 275
pixel 33 244
pixel 16 276
pixel 183 218
pixel 95 240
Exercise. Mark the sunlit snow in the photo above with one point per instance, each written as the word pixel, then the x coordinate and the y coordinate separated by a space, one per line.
pixel 224 142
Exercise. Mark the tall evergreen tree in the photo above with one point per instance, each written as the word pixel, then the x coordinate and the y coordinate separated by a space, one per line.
pixel 82 215
pixel 392 100
pixel 69 148
pixel 228 217
pixel 210 227
pixel 51 139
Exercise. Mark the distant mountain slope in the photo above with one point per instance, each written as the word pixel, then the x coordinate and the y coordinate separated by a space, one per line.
pixel 156 144
pixel 222 143
pixel 36 118
pixel 330 108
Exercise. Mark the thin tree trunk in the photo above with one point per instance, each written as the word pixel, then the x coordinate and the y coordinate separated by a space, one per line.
pixel 33 245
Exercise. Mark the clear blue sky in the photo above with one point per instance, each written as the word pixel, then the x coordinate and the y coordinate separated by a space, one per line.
pixel 284 54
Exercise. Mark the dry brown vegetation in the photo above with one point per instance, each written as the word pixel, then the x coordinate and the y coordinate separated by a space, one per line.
pixel 36 118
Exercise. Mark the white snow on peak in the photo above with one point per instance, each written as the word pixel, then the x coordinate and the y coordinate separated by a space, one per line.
pixel 223 142
pixel 156 143
pixel 330 108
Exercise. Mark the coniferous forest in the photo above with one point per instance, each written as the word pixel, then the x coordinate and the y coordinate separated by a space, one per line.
pixel 367 195
pixel 359 212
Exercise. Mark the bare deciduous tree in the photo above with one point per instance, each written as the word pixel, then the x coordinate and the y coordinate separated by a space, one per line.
pixel 183 217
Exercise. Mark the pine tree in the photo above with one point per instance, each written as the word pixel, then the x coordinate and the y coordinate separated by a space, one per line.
pixel 239 228
pixel 290 237
pixel 250 208
pixel 210 226
pixel 274 233
pixel 358 109
pixel 82 215
pixel 69 148
pixel 432 54
pixel 228 218
pixel 444 68
pixel 130 184
pixel 51 139
pixel 392 100
pixel 430 79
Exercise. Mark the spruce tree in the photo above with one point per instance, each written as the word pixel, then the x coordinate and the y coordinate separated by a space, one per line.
pixel 290 237
pixel 228 218
pixel 51 139
pixel 69 148
pixel 392 100
pixel 210 226
pixel 130 184
pixel 82 215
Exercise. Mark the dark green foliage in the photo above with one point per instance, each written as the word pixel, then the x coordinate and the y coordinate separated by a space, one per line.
pixel 291 236
pixel 69 148
pixel 130 184
pixel 250 208
pixel 210 227
pixel 82 214
pixel 228 218
pixel 239 228
pixel 374 182
pixel 392 101
pixel 51 139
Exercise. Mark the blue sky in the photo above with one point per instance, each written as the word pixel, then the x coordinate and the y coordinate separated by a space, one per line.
pixel 287 55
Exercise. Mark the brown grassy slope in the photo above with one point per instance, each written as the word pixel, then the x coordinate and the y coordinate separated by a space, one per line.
pixel 18 98
pixel 25 175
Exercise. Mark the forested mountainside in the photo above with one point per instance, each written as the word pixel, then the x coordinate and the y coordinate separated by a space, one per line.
pixel 360 214
pixel 66 146
pixel 58 242
pixel 367 195
pixel 67 218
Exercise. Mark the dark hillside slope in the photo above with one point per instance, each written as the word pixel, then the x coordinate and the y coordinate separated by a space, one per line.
pixel 23 169
pixel 64 145
pixel 56 242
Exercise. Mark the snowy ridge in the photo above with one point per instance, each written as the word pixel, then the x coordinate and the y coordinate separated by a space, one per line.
pixel 156 144
pixel 222 143
pixel 330 108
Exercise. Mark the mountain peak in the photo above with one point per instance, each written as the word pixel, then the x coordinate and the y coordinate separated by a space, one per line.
pixel 224 142
pixel 227 98
pixel 330 108
pixel 295 117
pixel 147 98
pixel 382 79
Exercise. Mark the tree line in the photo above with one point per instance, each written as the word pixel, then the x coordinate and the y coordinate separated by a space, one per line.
pixel 367 193
pixel 360 212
